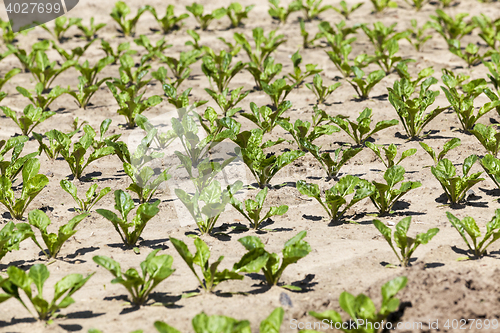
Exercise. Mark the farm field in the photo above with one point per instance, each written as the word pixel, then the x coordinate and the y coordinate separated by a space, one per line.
pixel 446 281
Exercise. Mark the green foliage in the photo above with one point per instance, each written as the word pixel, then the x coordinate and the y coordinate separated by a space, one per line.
pixel 338 37
pixel 179 67
pixel 490 29
pixel 11 235
pixel 11 169
pixel 360 130
pixel 170 21
pixel 38 275
pixel 237 13
pixel 218 69
pixel 119 14
pixel 390 153
pixel 282 13
pixel 451 27
pixel 32 117
pixel 345 11
pixel 33 184
pixel 9 75
pixel 145 181
pixel 264 45
pixel 90 32
pixel 494 69
pixel 463 103
pixel 418 4
pixel 251 209
pixel 381 5
pixel 488 136
pixel 387 58
pixel 121 49
pixel 92 196
pixel 491 165
pixel 307 43
pixel 380 36
pixel 320 91
pixel 73 54
pixel 362 310
pixel 41 100
pixel 153 51
pixel 124 204
pixel 416 36
pixel 470 54
pixel 298 76
pixel 26 59
pixel 312 8
pixel 62 24
pixel 211 276
pixel 272 266
pixel 336 202
pixel 53 148
pixel 228 100
pixel 45 72
pixel 204 20
pixel 203 323
pixel 215 200
pixel 53 241
pixel 363 86
pixel 468 226
pixel 449 145
pixel 277 91
pixel 195 42
pixel 180 100
pixel 266 74
pixel 154 269
pixel 412 111
pixel 407 245
pixel 263 166
pixel 331 165
pixel 386 195
pixel 456 187
pixel 266 118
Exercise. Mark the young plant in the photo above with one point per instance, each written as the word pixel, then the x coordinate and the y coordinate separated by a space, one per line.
pixel 227 101
pixel 308 43
pixel 11 169
pixel 417 36
pixel 301 134
pixel 336 197
pixel 218 69
pixel 180 100
pixel 144 182
pixel 75 154
pixel 463 104
pixel 277 91
pixel 53 148
pixel 154 269
pixel 62 24
pixel 345 11
pixel 281 13
pixel 272 266
pixel 153 51
pixel 494 69
pixel 491 165
pixel 387 58
pixel 490 29
pixel 119 13
pixel 331 165
pixel 251 209
pixel 11 235
pixel 362 310
pixel 266 74
pixel 363 86
pixel 170 21
pixel 298 76
pixel 41 100
pixel 456 187
pixel 451 27
pixel 204 20
pixel 381 35
pixel 407 245
pixel 211 276
pixel 90 32
pixel 449 145
pixel 341 60
pixel 32 117
pixel 468 226
pixel 92 196
pixel 418 4
pixel 45 72
pixel 312 8
pixel 264 45
pixel 381 5
pixel 470 54
pixel 320 91
pixel 215 200
pixel 73 54
pixel 360 130
pixel 265 118
pixel 121 49
pixel 412 111
pixel 38 275
pixel 179 67
pixel 54 242
pixel 26 59
pixel 390 153
pixel 386 195
pixel 195 43
pixel 237 13
pixel 124 204
pixel 488 136
pixel 263 166
pixel 9 75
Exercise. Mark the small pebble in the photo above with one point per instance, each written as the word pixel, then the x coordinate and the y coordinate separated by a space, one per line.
pixel 285 300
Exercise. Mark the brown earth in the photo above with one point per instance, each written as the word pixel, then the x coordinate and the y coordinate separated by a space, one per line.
pixel 347 257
